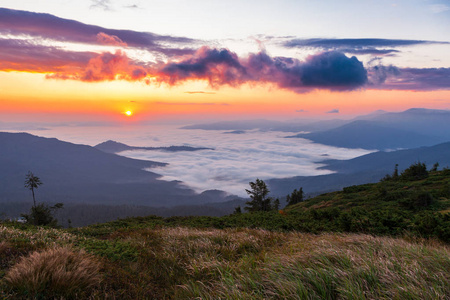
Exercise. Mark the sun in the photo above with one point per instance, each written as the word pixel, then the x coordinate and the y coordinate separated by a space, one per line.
pixel 129 113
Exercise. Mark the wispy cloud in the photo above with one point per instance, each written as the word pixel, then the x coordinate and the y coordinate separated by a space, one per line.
pixel 352 43
pixel 425 79
pixel 102 4
pixel 192 103
pixel 132 6
pixel 439 8
pixel 333 111
pixel 46 26
pixel 301 110
pixel 199 92
pixel 23 55
pixel 362 46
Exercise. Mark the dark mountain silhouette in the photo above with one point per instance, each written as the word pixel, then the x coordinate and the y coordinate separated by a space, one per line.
pixel 371 135
pixel 115 147
pixel 364 169
pixel 80 173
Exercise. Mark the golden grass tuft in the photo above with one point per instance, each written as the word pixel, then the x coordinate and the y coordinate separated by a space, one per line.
pixel 57 272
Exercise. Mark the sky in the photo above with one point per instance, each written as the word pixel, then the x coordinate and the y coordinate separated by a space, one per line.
pixel 96 60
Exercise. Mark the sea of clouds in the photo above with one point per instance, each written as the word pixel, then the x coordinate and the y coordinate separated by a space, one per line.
pixel 236 159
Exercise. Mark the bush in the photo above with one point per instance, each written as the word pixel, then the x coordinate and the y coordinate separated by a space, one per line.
pixel 54 273
pixel 42 215
pixel 416 171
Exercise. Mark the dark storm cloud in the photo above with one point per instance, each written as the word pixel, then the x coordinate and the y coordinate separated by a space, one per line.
pixel 218 66
pixel 329 70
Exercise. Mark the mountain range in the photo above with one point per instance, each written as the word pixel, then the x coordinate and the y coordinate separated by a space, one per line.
pixel 78 174
pixel 84 174
pixel 380 130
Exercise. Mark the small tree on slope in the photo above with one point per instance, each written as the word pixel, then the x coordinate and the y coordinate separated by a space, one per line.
pixel 259 195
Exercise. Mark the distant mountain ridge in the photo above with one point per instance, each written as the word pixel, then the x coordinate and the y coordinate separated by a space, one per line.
pixel 370 135
pixel 379 130
pixel 115 147
pixel 80 173
pixel 432 122
pixel 360 170
pixel 269 125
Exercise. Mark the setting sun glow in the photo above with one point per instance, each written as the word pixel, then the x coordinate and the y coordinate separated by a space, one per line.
pixel 129 113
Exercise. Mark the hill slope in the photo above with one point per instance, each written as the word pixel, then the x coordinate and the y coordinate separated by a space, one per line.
pixel 186 258
pixel 79 173
pixel 364 169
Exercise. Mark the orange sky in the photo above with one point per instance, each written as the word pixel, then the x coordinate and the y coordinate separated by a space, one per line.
pixel 32 93
pixel 59 62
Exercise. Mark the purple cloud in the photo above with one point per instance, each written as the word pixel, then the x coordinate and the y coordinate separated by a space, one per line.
pixel 360 46
pixel 329 70
pixel 219 67
pixel 426 79
pixel 370 51
pixel 47 26
pixel 333 111
pixel 354 43
pixel 22 55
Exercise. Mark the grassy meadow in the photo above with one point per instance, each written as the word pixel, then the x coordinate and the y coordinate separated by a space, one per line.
pixel 388 240
pixel 192 263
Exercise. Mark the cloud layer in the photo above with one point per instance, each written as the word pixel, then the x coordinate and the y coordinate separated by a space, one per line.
pixel 26 45
pixel 46 26
pixel 237 158
pixel 357 46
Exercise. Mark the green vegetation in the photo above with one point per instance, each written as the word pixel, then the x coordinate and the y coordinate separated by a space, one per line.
pixel 140 262
pixel 259 197
pixel 40 214
pixel 295 197
pixel 388 240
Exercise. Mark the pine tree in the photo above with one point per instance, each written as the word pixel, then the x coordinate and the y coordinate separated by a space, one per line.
pixel 295 197
pixel 258 193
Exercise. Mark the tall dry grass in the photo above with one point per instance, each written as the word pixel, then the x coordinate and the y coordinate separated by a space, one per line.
pixel 57 272
pixel 327 266
pixel 188 263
